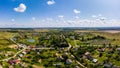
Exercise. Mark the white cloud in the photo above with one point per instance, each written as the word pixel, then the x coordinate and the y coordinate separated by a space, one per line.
pixel 60 16
pixel 33 18
pixel 77 17
pixel 49 19
pixel 50 2
pixel 94 16
pixel 21 8
pixel 76 11
pixel 12 20
pixel 99 15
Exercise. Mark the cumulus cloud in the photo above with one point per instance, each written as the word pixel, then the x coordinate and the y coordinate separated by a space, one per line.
pixel 60 16
pixel 77 17
pixel 12 20
pixel 94 16
pixel 33 18
pixel 76 11
pixel 99 15
pixel 50 2
pixel 21 8
pixel 49 19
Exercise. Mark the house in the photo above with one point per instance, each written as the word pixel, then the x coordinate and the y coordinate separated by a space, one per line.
pixel 118 49
pixel 40 60
pixel 65 55
pixel 68 61
pixel 87 55
pixel 101 49
pixel 71 37
pixel 108 65
pixel 22 46
pixel 32 46
pixel 24 53
pixel 24 65
pixel 57 64
pixel 56 54
pixel 10 66
pixel 27 50
pixel 59 58
pixel 38 53
pixel 10 62
pixel 17 61
pixel 48 37
pixel 76 48
pixel 20 55
pixel 95 60
pixel 115 66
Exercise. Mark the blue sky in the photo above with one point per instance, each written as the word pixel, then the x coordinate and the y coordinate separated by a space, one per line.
pixel 59 13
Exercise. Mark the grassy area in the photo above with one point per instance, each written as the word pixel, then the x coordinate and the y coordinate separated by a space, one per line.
pixel 114 37
pixel 6 35
pixel 71 41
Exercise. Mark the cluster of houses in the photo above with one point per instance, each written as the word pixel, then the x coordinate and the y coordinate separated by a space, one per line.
pixel 105 64
pixel 13 62
pixel 17 59
pixel 89 57
pixel 64 58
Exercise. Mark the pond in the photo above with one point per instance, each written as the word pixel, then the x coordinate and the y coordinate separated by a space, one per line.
pixel 31 40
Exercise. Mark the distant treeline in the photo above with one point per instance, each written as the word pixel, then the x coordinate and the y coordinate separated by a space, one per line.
pixel 62 28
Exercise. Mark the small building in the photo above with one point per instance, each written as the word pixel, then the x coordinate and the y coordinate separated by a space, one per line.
pixel 95 60
pixel 10 66
pixel 10 62
pixel 101 50
pixel 118 49
pixel 17 61
pixel 72 37
pixel 68 61
pixel 56 54
pixel 39 60
pixel 24 53
pixel 24 65
pixel 59 58
pixel 20 55
pixel 87 55
pixel 108 65
pixel 57 64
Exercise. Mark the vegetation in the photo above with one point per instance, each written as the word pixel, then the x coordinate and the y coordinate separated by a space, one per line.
pixel 59 49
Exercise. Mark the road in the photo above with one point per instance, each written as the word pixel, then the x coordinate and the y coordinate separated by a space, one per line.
pixel 43 48
pixel 14 55
pixel 70 46
pixel 74 57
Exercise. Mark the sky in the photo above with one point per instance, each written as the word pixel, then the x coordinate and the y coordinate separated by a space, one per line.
pixel 59 13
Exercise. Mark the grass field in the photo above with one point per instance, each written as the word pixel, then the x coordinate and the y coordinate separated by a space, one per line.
pixel 5 39
pixel 112 36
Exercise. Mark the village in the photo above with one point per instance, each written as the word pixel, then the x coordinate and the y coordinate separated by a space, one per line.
pixel 60 49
